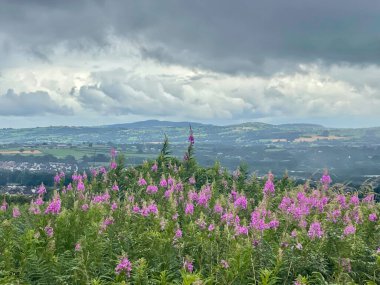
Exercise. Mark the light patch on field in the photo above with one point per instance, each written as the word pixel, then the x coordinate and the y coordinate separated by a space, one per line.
pixel 316 138
pixel 20 152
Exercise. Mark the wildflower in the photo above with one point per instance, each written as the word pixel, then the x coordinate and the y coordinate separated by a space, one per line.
pixel 136 209
pixel 115 187
pixel 241 230
pixel 106 222
pixel 326 180
pixel 302 224
pixel 54 206
pixel 49 231
pixel 154 167
pixel 294 234
pixel 153 209
pixel 349 230
pixel 141 182
pixel 372 217
pixel 315 230
pixel 113 206
pixel 85 207
pixel 188 265
pixel 170 180
pixel 16 212
pixel 124 266
pixel 78 247
pixel 4 206
pixel 113 165
pixel 69 187
pixel 274 224
pixel 34 208
pixel 163 182
pixel 94 173
pixel 191 136
pixel 269 186
pixel 341 200
pixel 57 179
pixel 241 202
pixel 41 190
pixel 370 198
pixel 192 180
pixel 151 189
pixel 189 210
pixel 113 153
pixel 218 208
pixel 211 227
pixel 80 186
pixel 299 246
pixel 178 234
pixel 224 264
pixel 355 200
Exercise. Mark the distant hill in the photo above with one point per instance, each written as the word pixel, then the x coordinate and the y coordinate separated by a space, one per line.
pixel 155 124
pixel 247 133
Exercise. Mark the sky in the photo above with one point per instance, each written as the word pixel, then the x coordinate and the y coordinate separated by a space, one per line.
pixel 216 61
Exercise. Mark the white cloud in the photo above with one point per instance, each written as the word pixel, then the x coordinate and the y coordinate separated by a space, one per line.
pixel 117 82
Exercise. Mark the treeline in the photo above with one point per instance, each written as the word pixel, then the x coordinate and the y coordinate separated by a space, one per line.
pixel 26 178
pixel 69 159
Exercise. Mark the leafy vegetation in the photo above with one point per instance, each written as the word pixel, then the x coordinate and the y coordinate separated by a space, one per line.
pixel 173 222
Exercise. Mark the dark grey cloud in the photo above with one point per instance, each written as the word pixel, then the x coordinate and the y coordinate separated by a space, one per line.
pixel 226 36
pixel 30 104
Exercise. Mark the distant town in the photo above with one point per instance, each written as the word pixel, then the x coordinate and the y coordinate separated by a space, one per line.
pixel 31 156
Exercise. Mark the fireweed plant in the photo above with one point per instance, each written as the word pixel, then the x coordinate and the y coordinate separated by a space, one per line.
pixel 173 222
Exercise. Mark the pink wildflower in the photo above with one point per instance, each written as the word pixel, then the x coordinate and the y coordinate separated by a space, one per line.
pixel 78 247
pixel 178 234
pixel 188 265
pixel 16 212
pixel 115 187
pixel 189 210
pixel 224 264
pixel 349 230
pixel 163 182
pixel 269 186
pixel 315 230
pixel 355 200
pixel 192 180
pixel 141 182
pixel 326 180
pixel 113 165
pixel 41 190
pixel 49 231
pixel 124 266
pixel 54 206
pixel 151 189
pixel 372 217
pixel 80 186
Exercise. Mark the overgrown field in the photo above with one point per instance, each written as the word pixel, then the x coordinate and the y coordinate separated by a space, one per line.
pixel 173 222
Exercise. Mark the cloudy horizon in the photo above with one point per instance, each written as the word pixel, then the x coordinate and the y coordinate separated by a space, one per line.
pixel 103 62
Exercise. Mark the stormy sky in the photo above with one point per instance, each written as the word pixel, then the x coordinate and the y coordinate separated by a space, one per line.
pixel 215 61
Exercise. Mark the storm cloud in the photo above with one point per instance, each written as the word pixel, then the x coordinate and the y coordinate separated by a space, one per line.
pixel 194 60
pixel 30 104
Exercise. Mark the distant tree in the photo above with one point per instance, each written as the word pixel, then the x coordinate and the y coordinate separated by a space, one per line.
pixel 325 133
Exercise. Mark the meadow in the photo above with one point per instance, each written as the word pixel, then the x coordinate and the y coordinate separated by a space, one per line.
pixel 170 221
